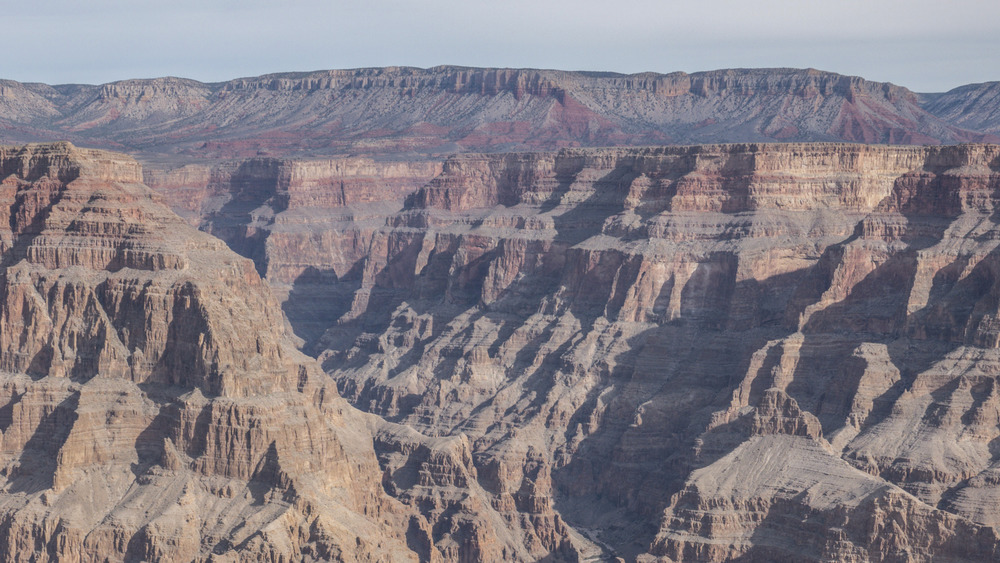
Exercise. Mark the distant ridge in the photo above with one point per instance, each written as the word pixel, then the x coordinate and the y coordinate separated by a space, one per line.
pixel 974 106
pixel 448 109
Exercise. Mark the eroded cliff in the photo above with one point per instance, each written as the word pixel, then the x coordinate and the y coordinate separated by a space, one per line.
pixel 300 221
pixel 151 406
pixel 724 352
pixel 781 352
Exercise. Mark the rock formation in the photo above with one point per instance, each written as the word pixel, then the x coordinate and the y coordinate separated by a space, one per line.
pixel 974 106
pixel 443 110
pixel 707 353
pixel 295 219
pixel 151 406
pixel 752 352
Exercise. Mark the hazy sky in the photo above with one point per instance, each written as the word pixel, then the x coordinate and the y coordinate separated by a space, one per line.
pixel 925 45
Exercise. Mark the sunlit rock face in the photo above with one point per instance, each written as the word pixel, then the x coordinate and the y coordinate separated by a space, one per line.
pixel 748 352
pixel 782 352
pixel 151 405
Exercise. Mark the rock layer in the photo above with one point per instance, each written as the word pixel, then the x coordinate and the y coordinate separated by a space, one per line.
pixel 753 352
pixel 973 106
pixel 708 353
pixel 151 406
pixel 300 221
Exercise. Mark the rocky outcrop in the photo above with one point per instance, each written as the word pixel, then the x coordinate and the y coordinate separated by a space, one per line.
pixel 151 406
pixel 302 222
pixel 792 500
pixel 409 111
pixel 705 353
pixel 287 206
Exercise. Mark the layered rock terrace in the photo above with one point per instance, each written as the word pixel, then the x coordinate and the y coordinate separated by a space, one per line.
pixel 408 112
pixel 704 353
pixel 151 406
pixel 684 353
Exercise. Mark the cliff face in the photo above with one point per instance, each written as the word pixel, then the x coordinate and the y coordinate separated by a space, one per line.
pixel 707 353
pixel 246 202
pixel 441 110
pixel 151 406
pixel 302 222
pixel 685 353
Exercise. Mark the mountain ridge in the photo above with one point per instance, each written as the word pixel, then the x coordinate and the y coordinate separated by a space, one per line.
pixel 410 111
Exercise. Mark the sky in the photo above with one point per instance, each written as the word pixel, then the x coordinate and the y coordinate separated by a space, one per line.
pixel 924 45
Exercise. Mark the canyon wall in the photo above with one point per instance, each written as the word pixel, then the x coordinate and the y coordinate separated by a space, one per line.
pixel 729 352
pixel 973 106
pixel 708 353
pixel 151 405
pixel 301 222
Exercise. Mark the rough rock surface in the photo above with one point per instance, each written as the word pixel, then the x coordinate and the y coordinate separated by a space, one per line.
pixel 729 352
pixel 151 406
pixel 443 110
pixel 733 352
pixel 295 219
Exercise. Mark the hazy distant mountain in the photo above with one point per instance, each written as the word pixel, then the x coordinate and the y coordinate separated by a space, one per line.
pixel 454 109
pixel 975 106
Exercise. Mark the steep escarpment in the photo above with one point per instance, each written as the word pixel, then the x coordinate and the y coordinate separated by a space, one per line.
pixel 443 110
pixel 780 352
pixel 247 202
pixel 151 406
pixel 300 221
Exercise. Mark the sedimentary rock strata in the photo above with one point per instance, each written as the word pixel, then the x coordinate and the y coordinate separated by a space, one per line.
pixel 973 106
pixel 697 353
pixel 151 406
pixel 708 353
pixel 300 221
pixel 443 110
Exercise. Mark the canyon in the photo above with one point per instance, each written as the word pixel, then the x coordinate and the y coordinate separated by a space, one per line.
pixel 709 353
pixel 700 353
pixel 141 418
pixel 304 319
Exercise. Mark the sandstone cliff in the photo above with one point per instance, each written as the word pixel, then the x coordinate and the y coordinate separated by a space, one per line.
pixel 151 406
pixel 442 110
pixel 300 221
pixel 750 352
